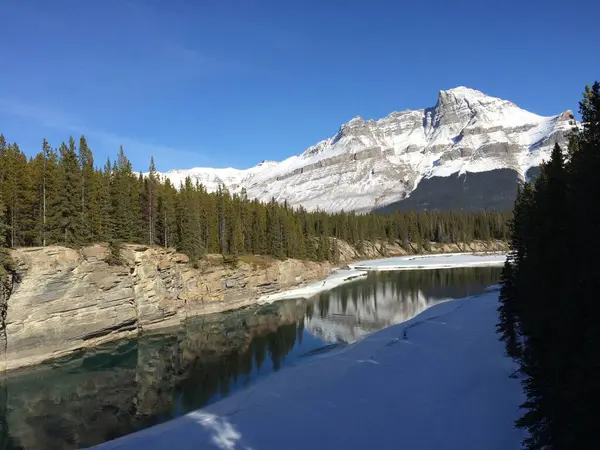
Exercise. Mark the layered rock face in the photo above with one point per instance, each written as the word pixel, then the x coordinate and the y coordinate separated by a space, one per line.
pixel 368 164
pixel 69 299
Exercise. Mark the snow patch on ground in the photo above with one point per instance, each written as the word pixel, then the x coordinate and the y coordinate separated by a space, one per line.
pixel 439 381
pixel 360 269
pixel 442 261
pixel 336 279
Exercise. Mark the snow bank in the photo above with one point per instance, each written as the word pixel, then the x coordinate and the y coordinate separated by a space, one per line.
pixel 441 261
pixel 337 278
pixel 438 381
pixel 360 269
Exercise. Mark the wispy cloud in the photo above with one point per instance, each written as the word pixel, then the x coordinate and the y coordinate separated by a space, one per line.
pixel 138 150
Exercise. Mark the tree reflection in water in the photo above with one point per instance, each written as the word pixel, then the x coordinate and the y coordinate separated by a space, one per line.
pixel 120 387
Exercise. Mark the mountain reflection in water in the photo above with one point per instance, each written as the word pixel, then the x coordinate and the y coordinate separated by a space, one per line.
pixel 100 394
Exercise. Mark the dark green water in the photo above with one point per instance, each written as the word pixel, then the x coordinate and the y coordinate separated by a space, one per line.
pixel 118 388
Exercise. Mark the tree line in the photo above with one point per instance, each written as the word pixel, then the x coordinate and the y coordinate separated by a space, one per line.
pixel 550 305
pixel 60 196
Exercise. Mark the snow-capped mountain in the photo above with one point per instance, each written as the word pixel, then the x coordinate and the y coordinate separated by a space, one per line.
pixel 369 164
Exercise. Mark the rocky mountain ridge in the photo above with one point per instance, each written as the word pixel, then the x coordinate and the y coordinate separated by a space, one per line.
pixel 369 164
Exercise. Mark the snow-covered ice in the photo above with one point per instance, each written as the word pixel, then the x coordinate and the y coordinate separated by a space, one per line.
pixel 441 261
pixel 360 269
pixel 337 278
pixel 438 381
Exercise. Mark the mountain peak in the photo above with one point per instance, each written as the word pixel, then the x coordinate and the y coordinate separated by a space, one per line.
pixel 371 163
pixel 355 119
pixel 460 93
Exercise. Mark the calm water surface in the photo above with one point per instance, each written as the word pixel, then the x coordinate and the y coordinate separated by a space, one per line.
pixel 118 388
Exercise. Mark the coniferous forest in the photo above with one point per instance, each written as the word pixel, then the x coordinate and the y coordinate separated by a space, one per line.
pixel 550 302
pixel 61 196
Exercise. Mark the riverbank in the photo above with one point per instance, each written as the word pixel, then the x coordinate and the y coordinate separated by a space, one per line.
pixel 440 380
pixel 362 268
pixel 124 386
pixel 67 299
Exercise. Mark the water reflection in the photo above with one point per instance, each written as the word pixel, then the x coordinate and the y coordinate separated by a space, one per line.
pixel 121 387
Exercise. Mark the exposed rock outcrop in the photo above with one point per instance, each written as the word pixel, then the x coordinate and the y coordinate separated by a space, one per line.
pixel 68 299
pixel 8 277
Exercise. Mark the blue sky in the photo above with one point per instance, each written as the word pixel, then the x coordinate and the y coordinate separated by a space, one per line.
pixel 232 82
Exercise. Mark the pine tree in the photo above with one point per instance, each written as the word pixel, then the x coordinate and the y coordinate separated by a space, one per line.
pixel 138 219
pixel 273 235
pixel 12 174
pixel 151 203
pixel 47 188
pixel 123 212
pixel 548 309
pixel 188 228
pixel 114 257
pixel 236 238
pixel 166 224
pixel 578 421
pixel 3 224
pixel 102 222
pixel 68 208
pixel 88 207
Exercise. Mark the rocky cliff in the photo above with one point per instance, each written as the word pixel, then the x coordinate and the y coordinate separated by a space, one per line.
pixel 69 299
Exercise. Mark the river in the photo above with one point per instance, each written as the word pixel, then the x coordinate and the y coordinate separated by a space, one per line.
pixel 99 394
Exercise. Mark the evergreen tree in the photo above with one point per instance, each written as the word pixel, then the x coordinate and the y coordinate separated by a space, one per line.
pixel 63 198
pixel 102 223
pixel 187 222
pixel 47 188
pixel 150 198
pixel 68 208
pixel 166 223
pixel 548 309
pixel 577 423
pixel 3 224
pixel 88 208
pixel 114 257
pixel 13 169
pixel 124 225
pixel 26 232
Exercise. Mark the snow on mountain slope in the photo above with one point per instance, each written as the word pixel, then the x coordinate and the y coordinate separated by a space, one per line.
pixel 371 163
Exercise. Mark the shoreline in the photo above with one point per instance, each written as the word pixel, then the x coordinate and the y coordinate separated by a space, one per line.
pixel 336 277
pixel 454 338
pixel 457 260
pixel 360 269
